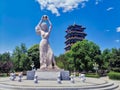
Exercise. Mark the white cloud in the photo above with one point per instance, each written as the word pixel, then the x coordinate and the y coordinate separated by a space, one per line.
pixel 97 2
pixel 110 8
pixel 118 29
pixel 65 5
pixel 117 41
pixel 82 5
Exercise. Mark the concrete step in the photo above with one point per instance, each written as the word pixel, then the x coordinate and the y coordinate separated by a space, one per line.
pixel 113 87
pixel 90 84
pixel 106 86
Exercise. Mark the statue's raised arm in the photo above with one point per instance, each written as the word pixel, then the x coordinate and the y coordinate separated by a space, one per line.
pixel 37 28
pixel 50 27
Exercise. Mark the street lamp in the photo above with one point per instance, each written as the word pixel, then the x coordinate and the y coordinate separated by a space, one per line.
pixel 95 67
pixel 32 65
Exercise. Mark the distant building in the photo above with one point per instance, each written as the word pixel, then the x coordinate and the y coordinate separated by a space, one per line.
pixel 74 33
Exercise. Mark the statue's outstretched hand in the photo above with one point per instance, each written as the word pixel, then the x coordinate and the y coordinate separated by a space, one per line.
pixel 42 18
pixel 48 19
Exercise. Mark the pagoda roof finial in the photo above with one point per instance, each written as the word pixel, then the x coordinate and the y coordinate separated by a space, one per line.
pixel 74 23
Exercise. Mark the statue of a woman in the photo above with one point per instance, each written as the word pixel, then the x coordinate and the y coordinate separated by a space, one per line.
pixel 46 54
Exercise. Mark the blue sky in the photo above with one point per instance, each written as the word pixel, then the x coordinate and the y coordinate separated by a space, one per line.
pixel 18 19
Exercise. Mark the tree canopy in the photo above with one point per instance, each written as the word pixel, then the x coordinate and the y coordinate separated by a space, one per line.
pixel 33 54
pixel 20 58
pixel 5 62
pixel 81 57
pixel 84 54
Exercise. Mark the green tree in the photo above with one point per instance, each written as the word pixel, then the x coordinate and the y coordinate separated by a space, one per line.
pixel 115 59
pixel 20 58
pixel 70 61
pixel 111 59
pixel 0 57
pixel 84 54
pixel 5 56
pixel 62 61
pixel 33 53
pixel 5 62
pixel 106 56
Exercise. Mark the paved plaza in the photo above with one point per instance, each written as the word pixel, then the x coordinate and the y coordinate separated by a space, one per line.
pixel 90 84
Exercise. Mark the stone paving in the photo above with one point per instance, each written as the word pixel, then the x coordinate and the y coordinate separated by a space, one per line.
pixel 109 80
pixel 50 83
pixel 53 83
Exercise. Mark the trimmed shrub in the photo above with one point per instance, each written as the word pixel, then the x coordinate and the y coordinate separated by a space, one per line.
pixel 116 69
pixel 92 75
pixel 3 75
pixel 114 75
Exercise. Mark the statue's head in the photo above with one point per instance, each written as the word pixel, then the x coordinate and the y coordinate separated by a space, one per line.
pixel 44 26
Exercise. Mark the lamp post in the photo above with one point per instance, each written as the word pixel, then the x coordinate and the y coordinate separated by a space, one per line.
pixel 32 65
pixel 95 67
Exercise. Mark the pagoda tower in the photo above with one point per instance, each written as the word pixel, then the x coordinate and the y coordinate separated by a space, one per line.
pixel 74 33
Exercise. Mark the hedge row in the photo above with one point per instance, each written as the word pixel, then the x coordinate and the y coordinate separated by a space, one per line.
pixel 92 75
pixel 114 75
pixel 3 74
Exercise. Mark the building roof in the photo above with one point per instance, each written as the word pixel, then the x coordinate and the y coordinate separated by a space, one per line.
pixel 75 27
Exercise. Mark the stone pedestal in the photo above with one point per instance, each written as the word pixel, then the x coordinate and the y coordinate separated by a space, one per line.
pixel 30 75
pixel 52 75
pixel 65 75
pixel 47 75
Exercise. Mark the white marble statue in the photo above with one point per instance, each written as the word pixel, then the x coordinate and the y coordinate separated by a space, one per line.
pixel 46 53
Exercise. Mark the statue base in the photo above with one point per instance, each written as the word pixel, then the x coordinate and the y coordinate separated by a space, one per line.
pixel 52 74
pixel 30 75
pixel 49 68
pixel 47 75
